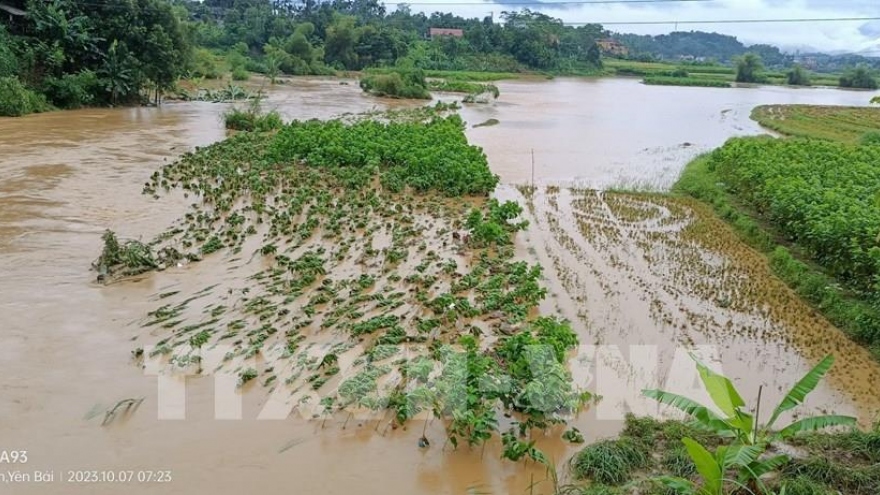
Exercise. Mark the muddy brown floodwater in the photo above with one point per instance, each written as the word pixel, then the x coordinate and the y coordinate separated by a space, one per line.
pixel 626 269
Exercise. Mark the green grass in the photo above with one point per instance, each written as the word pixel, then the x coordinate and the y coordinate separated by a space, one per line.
pixel 840 463
pixel 611 462
pixel 831 123
pixel 685 81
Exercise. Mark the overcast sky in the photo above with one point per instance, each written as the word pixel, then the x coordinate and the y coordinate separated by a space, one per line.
pixel 854 36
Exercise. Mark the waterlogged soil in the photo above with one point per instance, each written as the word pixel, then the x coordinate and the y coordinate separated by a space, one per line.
pixel 625 269
pixel 648 277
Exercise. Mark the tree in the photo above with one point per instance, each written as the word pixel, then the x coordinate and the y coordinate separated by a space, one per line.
pixel 797 76
pixel 747 68
pixel 859 77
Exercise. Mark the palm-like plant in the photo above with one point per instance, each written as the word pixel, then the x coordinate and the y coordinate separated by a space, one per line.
pixel 750 438
pixel 739 424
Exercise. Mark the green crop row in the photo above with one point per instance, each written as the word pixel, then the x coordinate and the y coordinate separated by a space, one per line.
pixel 426 156
pixel 824 196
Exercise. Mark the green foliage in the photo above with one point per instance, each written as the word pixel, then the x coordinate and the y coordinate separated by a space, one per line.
pixel 72 90
pixel 748 68
pixel 821 195
pixel 870 138
pixel 252 118
pixel 859 77
pixel 81 54
pixel 129 258
pixel 16 100
pixel 205 64
pixel 857 316
pixel 409 84
pixel 685 81
pixel 832 123
pixel 429 156
pixel 797 76
pixel 494 227
pixel 749 439
pixel 611 462
pixel 240 74
pixel 458 86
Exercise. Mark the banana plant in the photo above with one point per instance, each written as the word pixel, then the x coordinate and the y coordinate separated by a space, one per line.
pixel 713 467
pixel 750 438
pixel 735 422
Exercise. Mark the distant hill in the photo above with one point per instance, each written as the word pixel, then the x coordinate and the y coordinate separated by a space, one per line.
pixel 699 45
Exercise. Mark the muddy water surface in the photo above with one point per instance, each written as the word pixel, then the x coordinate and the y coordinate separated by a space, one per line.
pixel 67 176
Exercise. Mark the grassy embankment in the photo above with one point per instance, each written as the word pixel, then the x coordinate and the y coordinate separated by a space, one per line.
pixel 843 124
pixel 811 205
pixel 698 75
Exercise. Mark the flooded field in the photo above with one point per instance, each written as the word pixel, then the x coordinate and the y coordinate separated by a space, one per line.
pixel 625 269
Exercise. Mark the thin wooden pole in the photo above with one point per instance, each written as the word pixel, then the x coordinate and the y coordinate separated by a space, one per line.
pixel 533 168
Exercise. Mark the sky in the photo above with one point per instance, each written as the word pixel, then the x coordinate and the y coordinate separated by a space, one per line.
pixel 831 37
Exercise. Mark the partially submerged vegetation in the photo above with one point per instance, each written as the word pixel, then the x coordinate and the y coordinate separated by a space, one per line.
pixel 728 452
pixel 366 255
pixel 684 81
pixel 408 84
pixel 831 123
pixel 804 200
pixel 252 118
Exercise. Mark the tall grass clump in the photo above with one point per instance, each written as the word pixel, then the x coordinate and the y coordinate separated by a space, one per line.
pixel 610 462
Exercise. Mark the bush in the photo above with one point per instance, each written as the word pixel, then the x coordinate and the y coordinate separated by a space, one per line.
pixel 860 78
pixel 409 84
pixel 72 90
pixel 797 76
pixel 204 64
pixel 16 100
pixel 252 119
pixel 240 74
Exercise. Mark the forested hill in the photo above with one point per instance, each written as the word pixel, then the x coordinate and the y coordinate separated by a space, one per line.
pixel 723 48
pixel 698 44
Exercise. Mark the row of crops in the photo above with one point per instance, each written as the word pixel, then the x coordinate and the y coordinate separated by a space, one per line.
pixel 824 197
pixel 430 156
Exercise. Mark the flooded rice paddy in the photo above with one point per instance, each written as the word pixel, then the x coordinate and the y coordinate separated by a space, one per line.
pixel 626 269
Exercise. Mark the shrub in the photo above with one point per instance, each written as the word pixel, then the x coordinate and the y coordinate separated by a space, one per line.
pixel 16 100
pixel 8 59
pixel 409 84
pixel 797 76
pixel 72 90
pixel 204 64
pixel 252 118
pixel 240 74
pixel 860 78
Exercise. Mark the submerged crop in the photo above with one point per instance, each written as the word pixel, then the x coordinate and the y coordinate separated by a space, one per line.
pixel 364 266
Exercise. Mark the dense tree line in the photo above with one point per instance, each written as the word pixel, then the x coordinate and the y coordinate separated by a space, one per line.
pixel 357 34
pixel 69 53
pixel 76 53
